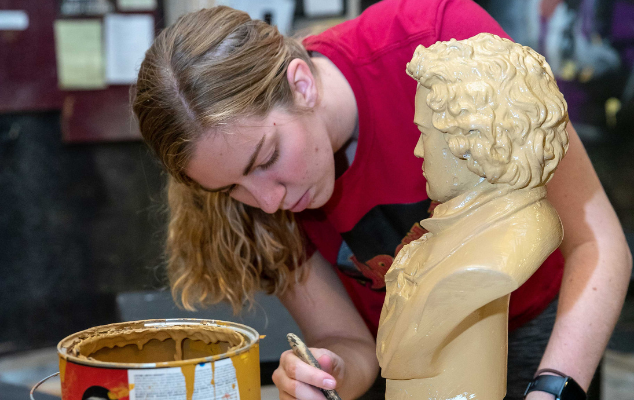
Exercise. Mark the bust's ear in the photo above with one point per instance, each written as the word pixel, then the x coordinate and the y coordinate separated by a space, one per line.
pixel 303 83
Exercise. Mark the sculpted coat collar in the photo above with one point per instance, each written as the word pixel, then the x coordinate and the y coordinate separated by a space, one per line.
pixel 492 240
pixel 496 203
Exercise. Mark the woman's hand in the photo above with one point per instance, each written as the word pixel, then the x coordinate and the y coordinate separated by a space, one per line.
pixel 297 380
pixel 338 337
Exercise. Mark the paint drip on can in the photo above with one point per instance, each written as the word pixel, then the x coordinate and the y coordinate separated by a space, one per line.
pixel 186 359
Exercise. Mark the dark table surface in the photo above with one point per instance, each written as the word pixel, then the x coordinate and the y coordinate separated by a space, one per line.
pixel 13 392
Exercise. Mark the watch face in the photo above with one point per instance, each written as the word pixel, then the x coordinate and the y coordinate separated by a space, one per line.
pixel 572 390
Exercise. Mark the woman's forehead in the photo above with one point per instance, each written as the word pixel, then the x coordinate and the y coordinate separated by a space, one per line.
pixel 220 158
pixel 241 134
pixel 233 140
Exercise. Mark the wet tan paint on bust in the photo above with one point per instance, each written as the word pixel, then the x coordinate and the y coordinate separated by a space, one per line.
pixel 443 328
pixel 450 175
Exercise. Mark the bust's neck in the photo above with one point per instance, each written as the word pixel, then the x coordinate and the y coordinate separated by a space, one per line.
pixel 493 201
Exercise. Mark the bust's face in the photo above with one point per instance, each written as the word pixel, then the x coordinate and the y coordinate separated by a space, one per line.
pixel 447 175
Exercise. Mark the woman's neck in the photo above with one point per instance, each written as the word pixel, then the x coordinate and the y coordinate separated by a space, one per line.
pixel 337 106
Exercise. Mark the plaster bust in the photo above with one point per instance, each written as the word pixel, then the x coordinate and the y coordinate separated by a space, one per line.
pixel 492 124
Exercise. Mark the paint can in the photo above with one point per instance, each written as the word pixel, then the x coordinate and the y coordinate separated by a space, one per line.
pixel 184 359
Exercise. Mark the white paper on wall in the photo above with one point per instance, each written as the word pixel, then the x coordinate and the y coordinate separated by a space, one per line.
pixel 319 8
pixel 14 20
pixel 136 5
pixel 79 53
pixel 176 8
pixel 86 7
pixel 127 39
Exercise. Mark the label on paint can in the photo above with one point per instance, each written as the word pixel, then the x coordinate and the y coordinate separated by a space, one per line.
pixel 213 380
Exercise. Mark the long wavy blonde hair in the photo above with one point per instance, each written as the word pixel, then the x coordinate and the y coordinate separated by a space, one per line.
pixel 205 71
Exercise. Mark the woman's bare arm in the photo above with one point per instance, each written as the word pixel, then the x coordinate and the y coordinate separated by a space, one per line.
pixel 597 272
pixel 328 320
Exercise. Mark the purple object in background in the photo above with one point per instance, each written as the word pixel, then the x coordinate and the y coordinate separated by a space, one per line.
pixel 577 98
pixel 622 34
pixel 588 15
pixel 628 57
pixel 623 22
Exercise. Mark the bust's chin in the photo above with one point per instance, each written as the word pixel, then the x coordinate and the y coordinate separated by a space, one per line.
pixel 435 196
pixel 430 193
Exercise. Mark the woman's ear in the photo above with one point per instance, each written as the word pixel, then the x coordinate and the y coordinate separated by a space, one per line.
pixel 302 83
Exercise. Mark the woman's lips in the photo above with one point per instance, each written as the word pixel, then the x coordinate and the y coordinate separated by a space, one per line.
pixel 302 203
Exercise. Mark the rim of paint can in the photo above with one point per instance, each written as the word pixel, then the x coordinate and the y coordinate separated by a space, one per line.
pixel 251 337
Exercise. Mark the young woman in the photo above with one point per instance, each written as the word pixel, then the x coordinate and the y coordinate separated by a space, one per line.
pixel 292 171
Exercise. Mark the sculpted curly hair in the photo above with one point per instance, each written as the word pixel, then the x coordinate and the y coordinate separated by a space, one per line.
pixel 499 106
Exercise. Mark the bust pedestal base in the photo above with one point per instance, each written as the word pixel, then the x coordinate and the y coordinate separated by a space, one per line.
pixel 472 365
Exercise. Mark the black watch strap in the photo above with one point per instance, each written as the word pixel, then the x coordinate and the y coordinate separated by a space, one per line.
pixel 563 387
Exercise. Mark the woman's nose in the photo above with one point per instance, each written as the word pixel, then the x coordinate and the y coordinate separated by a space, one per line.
pixel 419 151
pixel 267 193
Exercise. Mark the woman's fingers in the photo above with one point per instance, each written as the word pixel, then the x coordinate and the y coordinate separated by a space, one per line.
pixel 326 362
pixel 296 379
pixel 330 362
pixel 301 371
pixel 291 389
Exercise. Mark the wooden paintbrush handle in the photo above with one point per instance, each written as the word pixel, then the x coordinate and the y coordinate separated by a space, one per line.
pixel 301 350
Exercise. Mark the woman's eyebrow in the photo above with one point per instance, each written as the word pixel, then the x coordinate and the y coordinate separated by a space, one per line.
pixel 254 156
pixel 246 171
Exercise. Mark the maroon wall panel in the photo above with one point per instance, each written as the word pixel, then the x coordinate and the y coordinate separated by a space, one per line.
pixel 105 115
pixel 28 80
pixel 28 77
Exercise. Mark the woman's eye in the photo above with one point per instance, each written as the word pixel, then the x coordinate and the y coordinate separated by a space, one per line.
pixel 272 160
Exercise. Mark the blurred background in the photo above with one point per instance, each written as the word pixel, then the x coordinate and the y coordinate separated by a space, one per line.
pixel 81 199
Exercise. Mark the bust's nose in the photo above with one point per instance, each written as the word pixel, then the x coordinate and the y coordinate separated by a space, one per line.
pixel 419 151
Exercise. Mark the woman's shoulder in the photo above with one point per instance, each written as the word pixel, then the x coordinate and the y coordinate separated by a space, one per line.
pixel 390 24
pixel 381 26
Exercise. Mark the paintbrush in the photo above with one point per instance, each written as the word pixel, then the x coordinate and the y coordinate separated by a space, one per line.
pixel 304 354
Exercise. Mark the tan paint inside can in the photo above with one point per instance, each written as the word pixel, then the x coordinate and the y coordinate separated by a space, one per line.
pixel 156 345
pixel 168 344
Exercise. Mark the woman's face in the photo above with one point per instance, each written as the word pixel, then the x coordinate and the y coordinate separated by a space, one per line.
pixel 281 161
pixel 447 175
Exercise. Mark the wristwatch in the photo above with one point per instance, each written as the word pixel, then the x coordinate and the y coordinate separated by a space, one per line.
pixel 561 386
